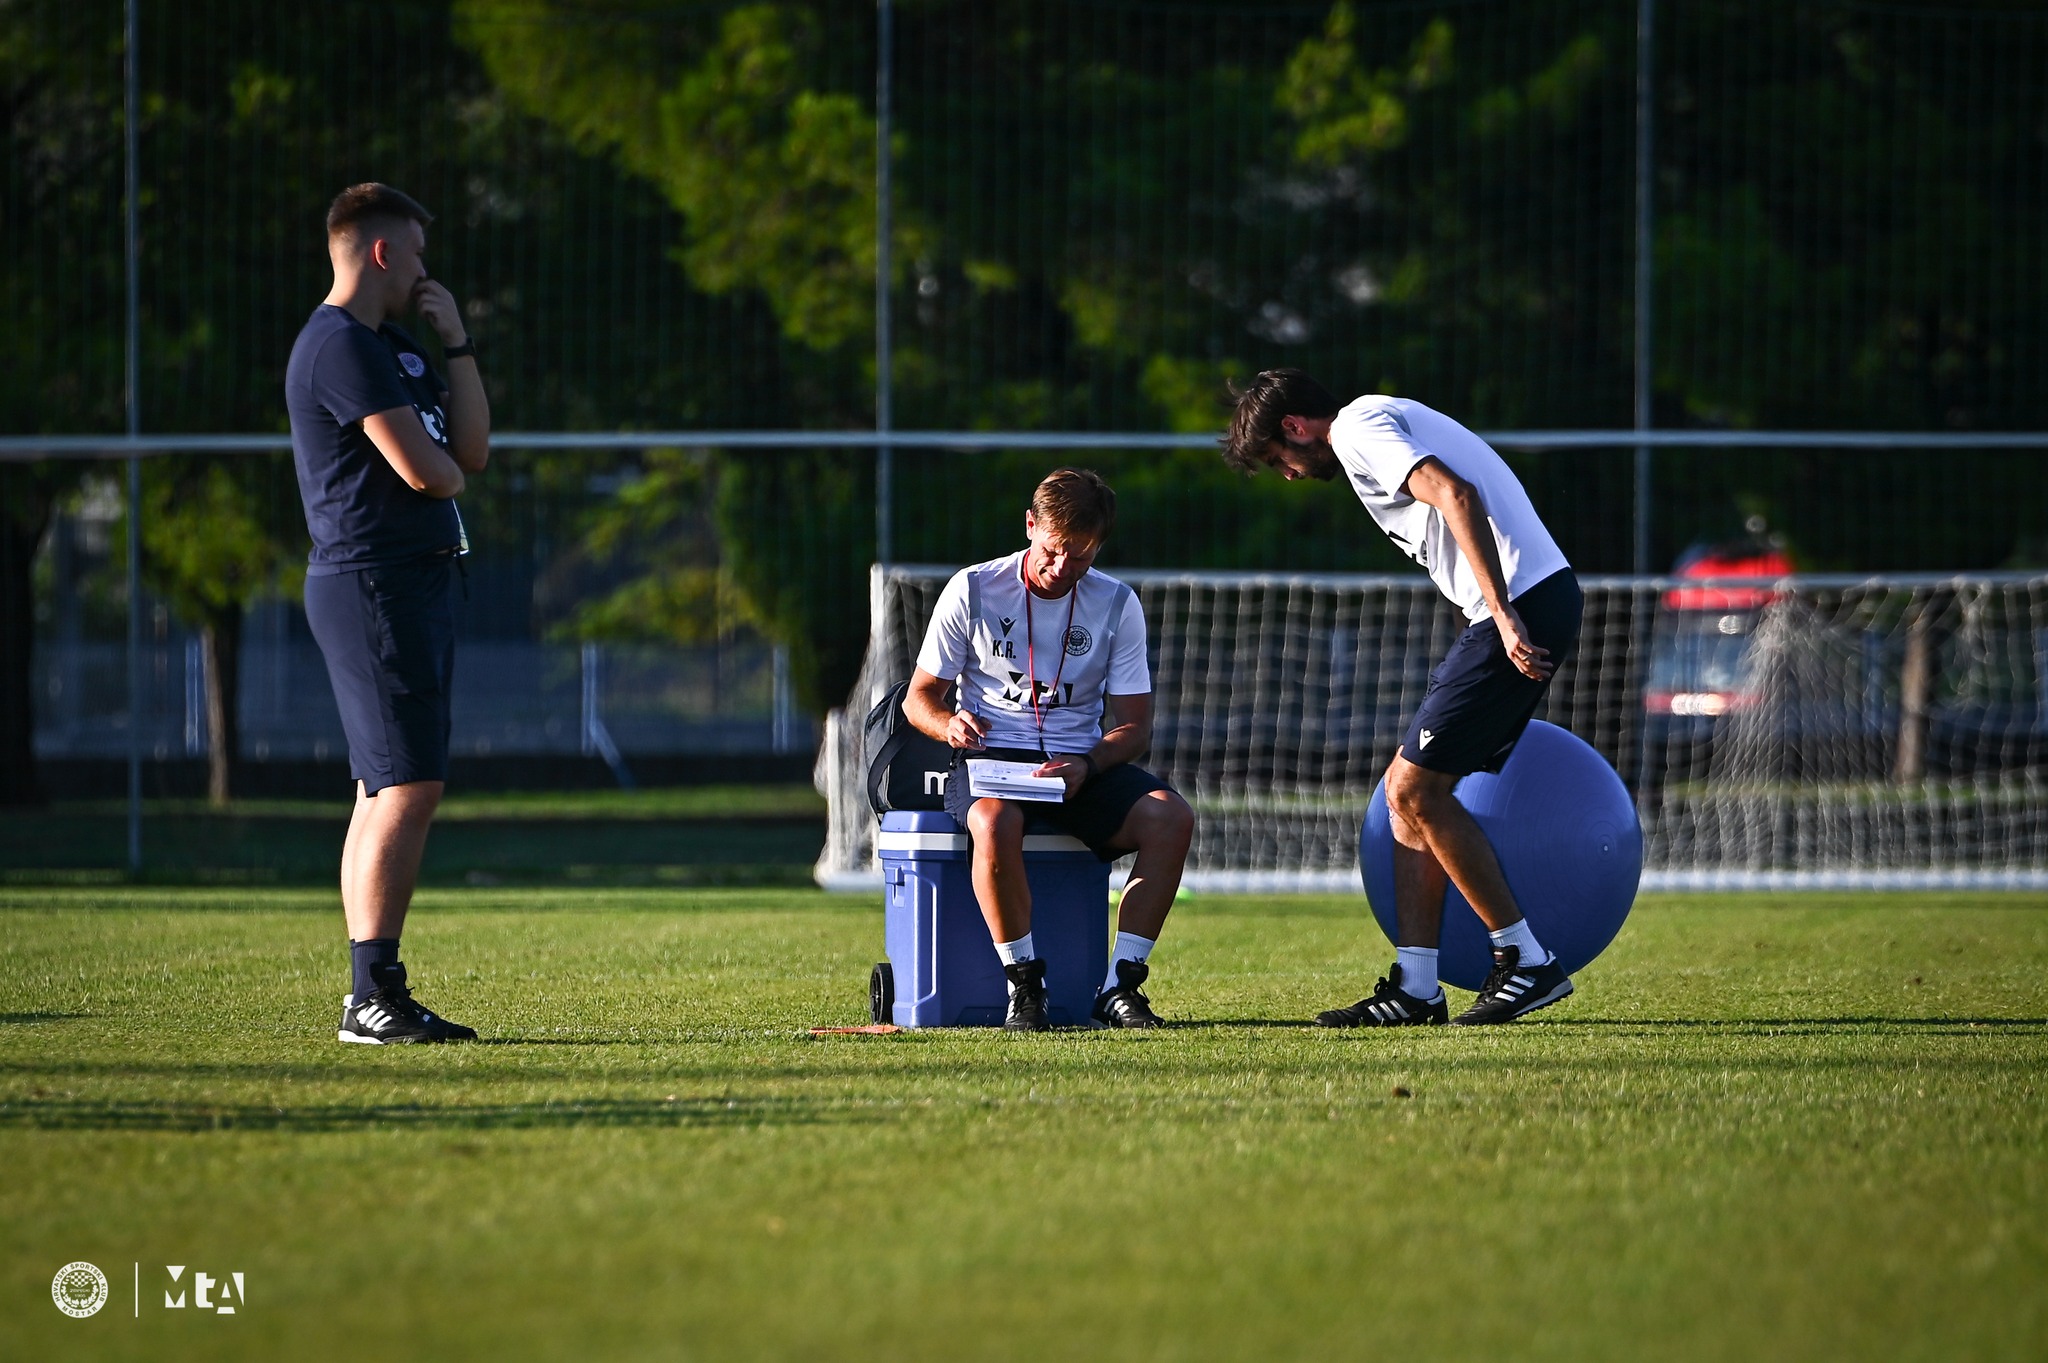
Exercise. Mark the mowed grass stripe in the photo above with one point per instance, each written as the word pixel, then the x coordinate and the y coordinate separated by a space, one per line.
pixel 1804 1127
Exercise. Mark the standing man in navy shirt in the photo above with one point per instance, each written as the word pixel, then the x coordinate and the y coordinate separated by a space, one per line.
pixel 383 444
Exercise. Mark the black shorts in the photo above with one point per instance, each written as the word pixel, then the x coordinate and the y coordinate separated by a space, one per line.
pixel 1478 703
pixel 388 635
pixel 1093 816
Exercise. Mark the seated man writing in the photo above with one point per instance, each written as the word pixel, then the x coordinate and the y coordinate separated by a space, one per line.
pixel 1050 657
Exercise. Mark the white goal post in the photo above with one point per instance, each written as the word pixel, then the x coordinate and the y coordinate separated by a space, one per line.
pixel 1879 731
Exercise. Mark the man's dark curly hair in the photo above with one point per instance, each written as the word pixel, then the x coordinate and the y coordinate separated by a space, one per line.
pixel 1255 424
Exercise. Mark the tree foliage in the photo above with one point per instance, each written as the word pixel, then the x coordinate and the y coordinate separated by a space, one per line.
pixel 662 215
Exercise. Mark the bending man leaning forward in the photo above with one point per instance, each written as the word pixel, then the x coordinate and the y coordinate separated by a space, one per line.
pixel 1050 657
pixel 1452 504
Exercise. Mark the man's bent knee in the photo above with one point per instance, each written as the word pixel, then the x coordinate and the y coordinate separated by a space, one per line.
pixel 1160 821
pixel 996 824
pixel 1415 794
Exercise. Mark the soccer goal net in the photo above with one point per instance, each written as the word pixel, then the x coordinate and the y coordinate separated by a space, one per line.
pixel 1808 731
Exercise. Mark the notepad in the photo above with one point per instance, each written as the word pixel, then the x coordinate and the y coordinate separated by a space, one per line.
pixel 991 779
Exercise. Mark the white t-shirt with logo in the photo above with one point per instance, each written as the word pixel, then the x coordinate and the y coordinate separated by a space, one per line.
pixel 1379 440
pixel 1002 642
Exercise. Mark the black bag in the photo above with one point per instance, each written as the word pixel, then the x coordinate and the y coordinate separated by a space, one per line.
pixel 906 769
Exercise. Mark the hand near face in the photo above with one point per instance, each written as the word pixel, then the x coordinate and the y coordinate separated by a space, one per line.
pixel 437 308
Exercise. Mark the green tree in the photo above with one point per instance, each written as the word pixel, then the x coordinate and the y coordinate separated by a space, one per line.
pixel 60 282
pixel 218 531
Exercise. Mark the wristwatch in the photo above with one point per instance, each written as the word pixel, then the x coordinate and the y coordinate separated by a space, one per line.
pixel 456 352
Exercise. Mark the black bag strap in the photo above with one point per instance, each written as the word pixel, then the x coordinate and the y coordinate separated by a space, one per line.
pixel 898 729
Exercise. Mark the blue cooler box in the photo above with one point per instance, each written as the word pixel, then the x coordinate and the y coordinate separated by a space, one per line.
pixel 942 969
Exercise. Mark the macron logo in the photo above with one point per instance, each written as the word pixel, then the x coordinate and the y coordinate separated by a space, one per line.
pixel 1426 736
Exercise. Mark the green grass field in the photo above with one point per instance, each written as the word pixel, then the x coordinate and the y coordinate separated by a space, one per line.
pixel 1766 1128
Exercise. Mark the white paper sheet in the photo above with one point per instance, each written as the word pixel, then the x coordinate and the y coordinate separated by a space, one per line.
pixel 989 778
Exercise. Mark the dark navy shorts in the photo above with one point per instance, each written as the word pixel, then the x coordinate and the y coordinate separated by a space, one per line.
pixel 1093 816
pixel 389 638
pixel 1478 704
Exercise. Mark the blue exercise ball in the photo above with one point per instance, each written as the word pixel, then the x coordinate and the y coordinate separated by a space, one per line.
pixel 1568 840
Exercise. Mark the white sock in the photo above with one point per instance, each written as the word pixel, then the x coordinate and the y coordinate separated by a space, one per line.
pixel 1129 947
pixel 1418 973
pixel 1518 935
pixel 1013 952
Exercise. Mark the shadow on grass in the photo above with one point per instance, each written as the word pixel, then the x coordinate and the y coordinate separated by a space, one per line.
pixel 553 1041
pixel 1752 1025
pixel 77 1115
pixel 1198 1024
pixel 31 1019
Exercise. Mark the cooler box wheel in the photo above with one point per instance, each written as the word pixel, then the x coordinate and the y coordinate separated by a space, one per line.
pixel 881 993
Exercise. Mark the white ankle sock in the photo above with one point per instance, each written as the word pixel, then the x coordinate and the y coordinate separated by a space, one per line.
pixel 1129 947
pixel 1418 972
pixel 1517 934
pixel 1013 952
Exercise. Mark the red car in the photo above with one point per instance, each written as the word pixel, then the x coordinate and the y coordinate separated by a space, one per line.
pixel 1700 645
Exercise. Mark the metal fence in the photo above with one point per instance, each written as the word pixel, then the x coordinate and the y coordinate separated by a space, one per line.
pixel 509 699
pixel 1674 244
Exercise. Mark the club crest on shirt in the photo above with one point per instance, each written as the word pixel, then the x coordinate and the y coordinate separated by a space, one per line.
pixel 411 363
pixel 1079 641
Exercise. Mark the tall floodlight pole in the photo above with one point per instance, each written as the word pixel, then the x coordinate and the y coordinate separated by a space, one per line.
pixel 130 106
pixel 1645 88
pixel 884 417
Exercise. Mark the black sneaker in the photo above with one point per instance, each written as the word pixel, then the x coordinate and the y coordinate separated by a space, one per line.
pixel 1389 1006
pixel 1028 1012
pixel 390 1016
pixel 1512 989
pixel 1124 1006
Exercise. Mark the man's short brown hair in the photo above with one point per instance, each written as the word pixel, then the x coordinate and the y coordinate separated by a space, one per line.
pixel 1075 502
pixel 1274 394
pixel 361 207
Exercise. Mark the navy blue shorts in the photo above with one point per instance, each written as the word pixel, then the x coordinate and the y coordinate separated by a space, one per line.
pixel 1478 703
pixel 1094 815
pixel 389 638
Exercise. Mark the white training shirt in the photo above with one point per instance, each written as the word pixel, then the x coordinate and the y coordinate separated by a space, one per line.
pixel 997 638
pixel 1379 440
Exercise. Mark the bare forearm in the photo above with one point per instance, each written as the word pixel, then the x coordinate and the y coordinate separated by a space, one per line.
pixel 1126 731
pixel 926 715
pixel 1125 743
pixel 469 415
pixel 1466 517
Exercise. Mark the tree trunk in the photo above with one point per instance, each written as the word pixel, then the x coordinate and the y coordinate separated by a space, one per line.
pixel 24 515
pixel 221 638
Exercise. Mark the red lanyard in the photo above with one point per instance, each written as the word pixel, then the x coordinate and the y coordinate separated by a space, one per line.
pixel 1031 652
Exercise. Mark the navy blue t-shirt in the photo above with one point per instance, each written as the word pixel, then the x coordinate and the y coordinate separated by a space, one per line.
pixel 360 512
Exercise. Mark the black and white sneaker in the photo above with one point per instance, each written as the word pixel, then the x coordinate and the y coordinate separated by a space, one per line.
pixel 1124 1006
pixel 1028 1008
pixel 1389 1006
pixel 390 1016
pixel 1512 989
